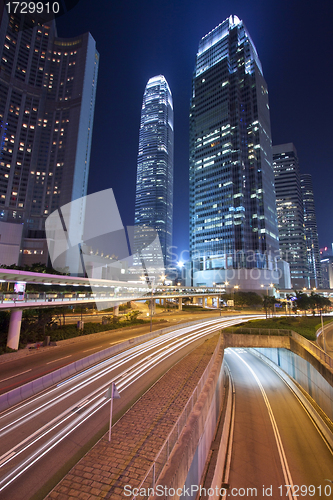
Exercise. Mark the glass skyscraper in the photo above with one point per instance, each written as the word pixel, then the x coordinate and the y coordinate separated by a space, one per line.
pixel 311 232
pixel 154 182
pixel 289 204
pixel 47 99
pixel 233 224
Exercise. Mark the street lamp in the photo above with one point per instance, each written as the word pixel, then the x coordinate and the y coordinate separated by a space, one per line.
pixel 152 280
pixel 233 294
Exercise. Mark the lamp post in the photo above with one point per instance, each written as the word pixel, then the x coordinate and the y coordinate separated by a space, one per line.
pixel 152 281
pixel 233 293
pixel 226 289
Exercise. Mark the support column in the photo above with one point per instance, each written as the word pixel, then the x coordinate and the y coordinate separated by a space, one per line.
pixel 180 304
pixel 14 331
pixel 115 310
pixel 204 302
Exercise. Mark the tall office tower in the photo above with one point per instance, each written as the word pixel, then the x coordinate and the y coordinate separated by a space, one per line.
pixel 289 205
pixel 47 89
pixel 154 181
pixel 311 232
pixel 233 225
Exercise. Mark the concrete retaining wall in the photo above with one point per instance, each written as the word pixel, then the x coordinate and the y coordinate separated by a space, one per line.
pixel 188 458
pixel 249 340
pixel 305 374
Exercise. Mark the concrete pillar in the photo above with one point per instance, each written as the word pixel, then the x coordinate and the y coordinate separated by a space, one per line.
pixel 14 331
pixel 115 310
pixel 180 304
pixel 204 302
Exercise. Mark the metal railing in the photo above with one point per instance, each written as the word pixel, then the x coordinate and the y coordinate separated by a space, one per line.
pixel 161 458
pixel 314 349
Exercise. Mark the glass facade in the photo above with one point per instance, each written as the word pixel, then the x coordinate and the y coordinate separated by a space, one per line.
pixel 311 232
pixel 290 212
pixel 154 182
pixel 47 88
pixel 233 222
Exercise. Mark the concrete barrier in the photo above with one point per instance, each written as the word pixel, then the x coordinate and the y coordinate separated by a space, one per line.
pixel 289 381
pixel 224 452
pixel 188 458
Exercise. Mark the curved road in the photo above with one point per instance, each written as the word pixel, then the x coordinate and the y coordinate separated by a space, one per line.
pixel 45 432
pixel 275 442
pixel 19 370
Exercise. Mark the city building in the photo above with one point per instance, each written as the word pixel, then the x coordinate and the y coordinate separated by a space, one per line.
pixel 233 224
pixel 48 89
pixel 289 204
pixel 154 181
pixel 311 232
pixel 327 272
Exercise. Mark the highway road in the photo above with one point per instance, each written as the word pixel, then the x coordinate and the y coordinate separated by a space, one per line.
pixel 52 429
pixel 275 442
pixel 20 370
pixel 36 364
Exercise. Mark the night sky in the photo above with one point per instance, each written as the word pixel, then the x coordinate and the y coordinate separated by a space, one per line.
pixel 140 39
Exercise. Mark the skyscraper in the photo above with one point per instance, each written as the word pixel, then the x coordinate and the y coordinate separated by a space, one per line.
pixel 154 181
pixel 47 88
pixel 233 225
pixel 311 232
pixel 289 204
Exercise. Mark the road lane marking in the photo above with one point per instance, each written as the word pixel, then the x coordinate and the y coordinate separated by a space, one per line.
pixel 59 359
pixel 283 458
pixel 4 379
pixel 93 348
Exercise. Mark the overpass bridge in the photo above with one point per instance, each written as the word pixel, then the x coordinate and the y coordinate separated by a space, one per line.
pixel 105 294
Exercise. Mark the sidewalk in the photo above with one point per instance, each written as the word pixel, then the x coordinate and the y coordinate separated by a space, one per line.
pixel 137 437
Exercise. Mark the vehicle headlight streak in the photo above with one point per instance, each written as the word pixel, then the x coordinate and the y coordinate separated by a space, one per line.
pixel 96 399
pixel 136 351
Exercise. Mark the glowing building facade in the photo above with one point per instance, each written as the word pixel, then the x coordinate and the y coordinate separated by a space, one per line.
pixel 311 232
pixel 289 204
pixel 154 182
pixel 47 88
pixel 233 224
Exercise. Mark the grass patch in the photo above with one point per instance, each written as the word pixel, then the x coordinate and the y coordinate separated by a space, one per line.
pixel 304 325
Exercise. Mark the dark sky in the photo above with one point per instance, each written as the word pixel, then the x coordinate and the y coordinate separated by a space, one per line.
pixel 138 39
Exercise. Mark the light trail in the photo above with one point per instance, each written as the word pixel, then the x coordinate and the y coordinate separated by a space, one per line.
pixel 164 347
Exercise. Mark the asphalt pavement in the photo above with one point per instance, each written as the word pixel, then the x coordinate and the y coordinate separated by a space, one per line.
pixel 18 370
pixel 276 447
